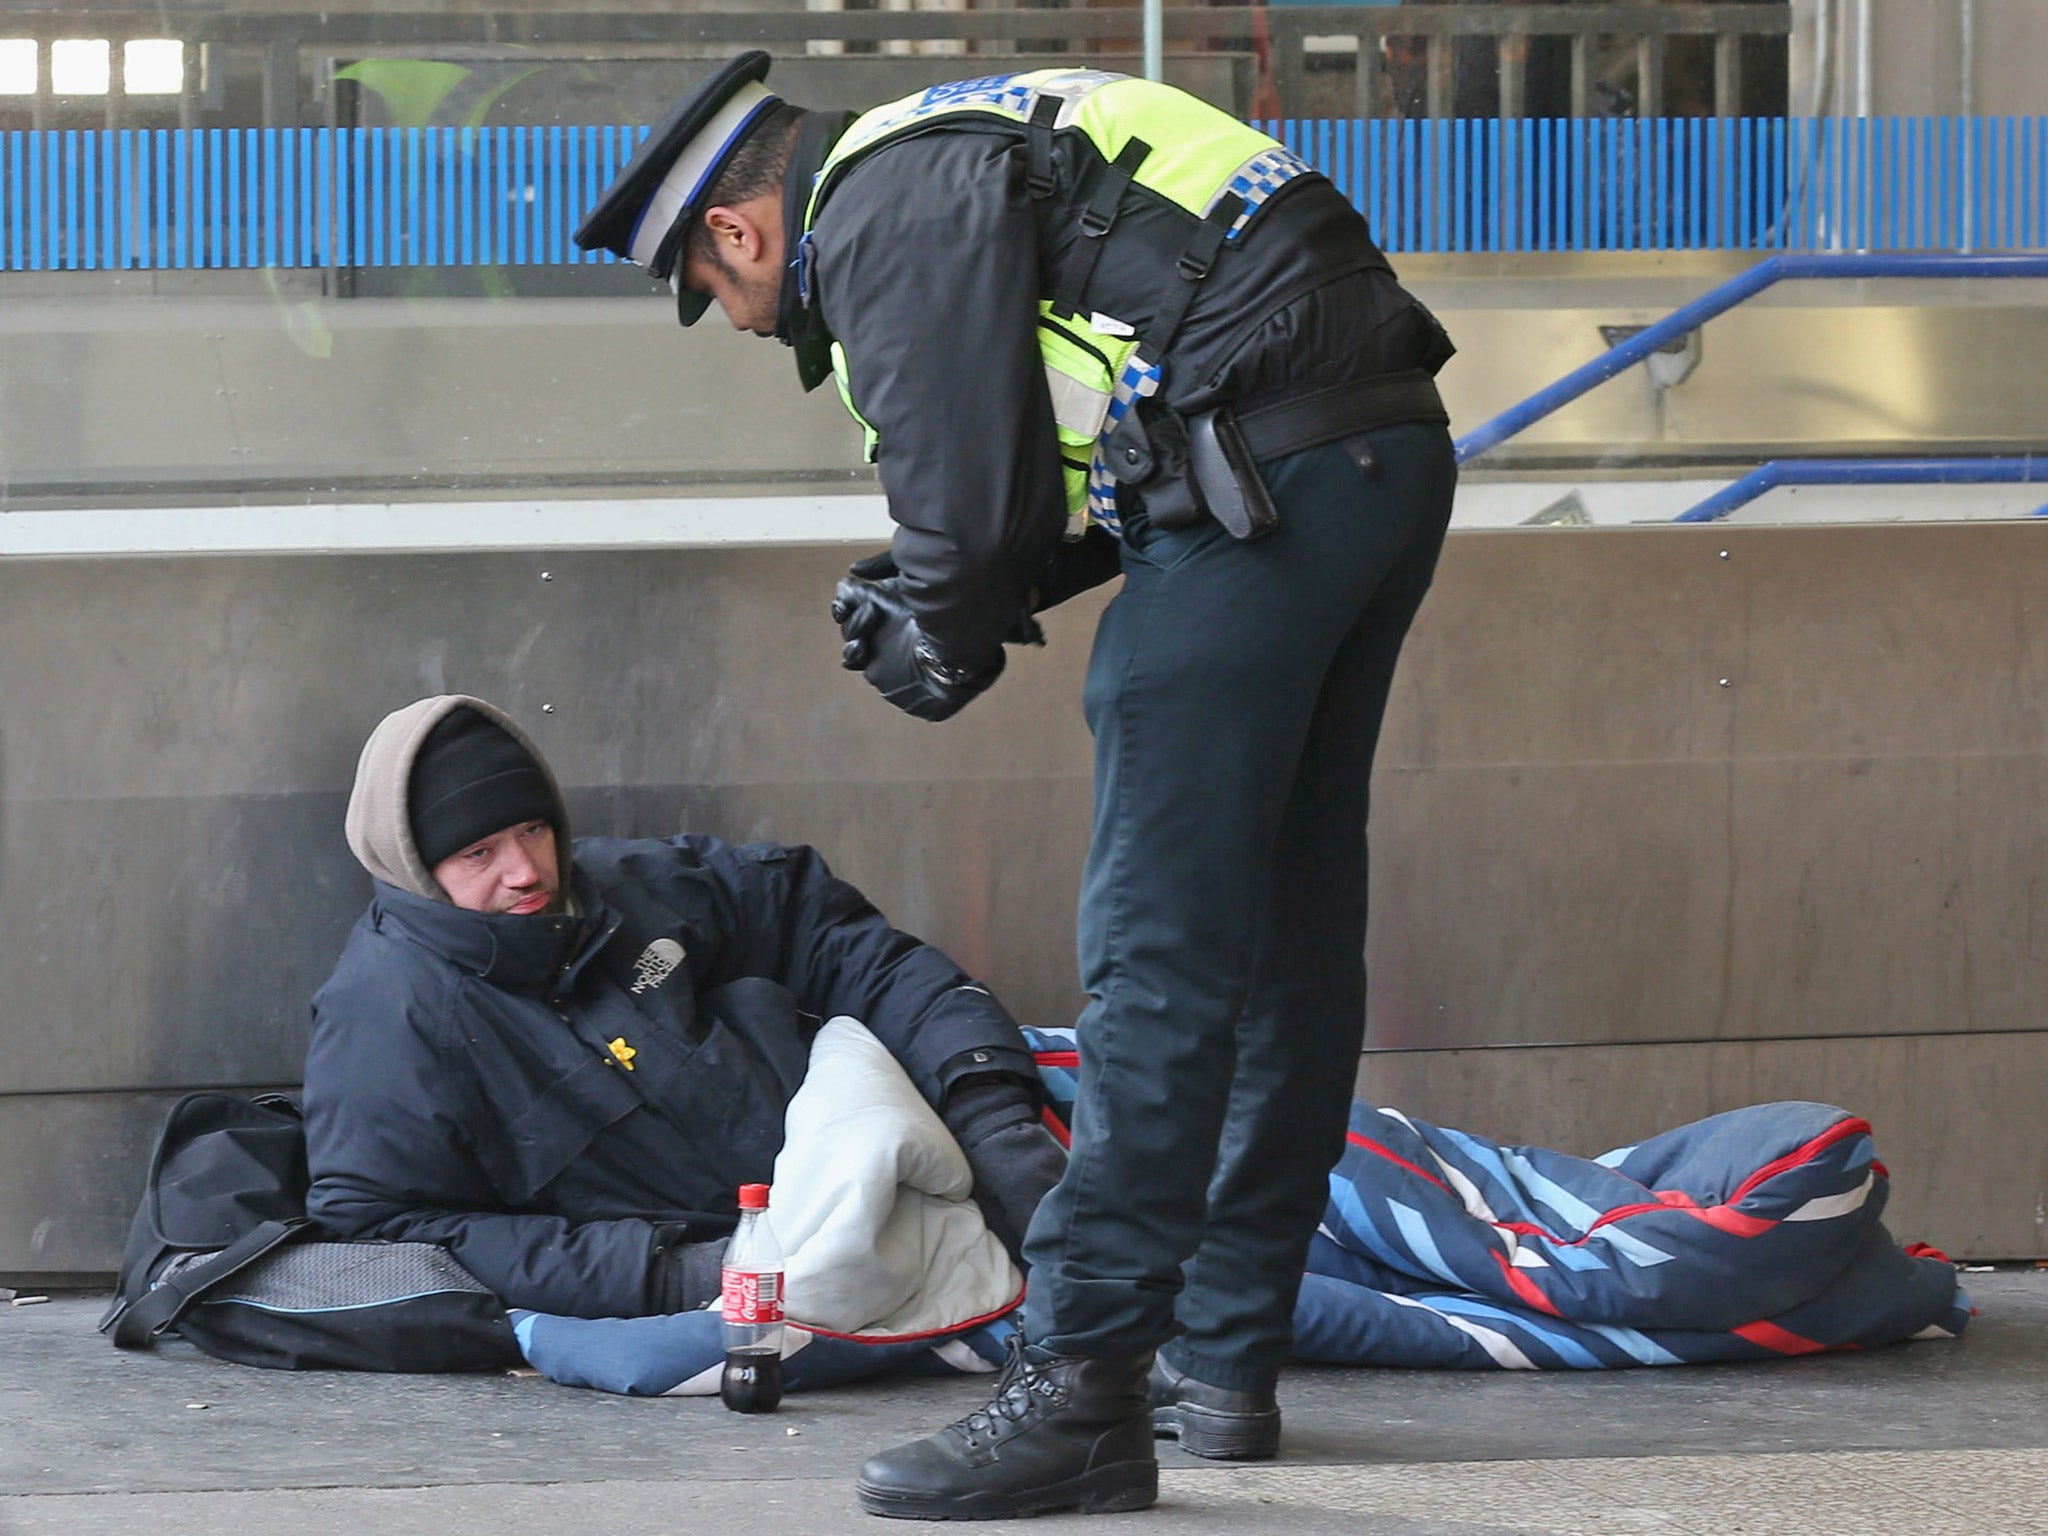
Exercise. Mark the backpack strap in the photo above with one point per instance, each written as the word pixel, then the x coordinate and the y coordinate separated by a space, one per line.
pixel 137 1324
pixel 1098 218
pixel 1196 259
pixel 1038 178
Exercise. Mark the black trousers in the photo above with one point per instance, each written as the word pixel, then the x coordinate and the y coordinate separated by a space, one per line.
pixel 1235 694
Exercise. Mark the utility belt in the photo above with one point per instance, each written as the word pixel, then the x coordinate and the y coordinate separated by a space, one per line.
pixel 1206 465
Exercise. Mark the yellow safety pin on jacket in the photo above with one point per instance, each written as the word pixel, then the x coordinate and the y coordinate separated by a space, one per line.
pixel 1193 155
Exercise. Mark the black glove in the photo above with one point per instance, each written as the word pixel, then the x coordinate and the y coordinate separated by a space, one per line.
pixel 1015 1159
pixel 881 569
pixel 880 566
pixel 683 1276
pixel 884 643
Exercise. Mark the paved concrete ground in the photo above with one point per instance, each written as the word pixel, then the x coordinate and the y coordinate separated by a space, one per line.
pixel 1930 1439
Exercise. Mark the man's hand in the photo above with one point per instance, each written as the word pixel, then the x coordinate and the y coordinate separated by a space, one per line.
pixel 1015 1160
pixel 882 641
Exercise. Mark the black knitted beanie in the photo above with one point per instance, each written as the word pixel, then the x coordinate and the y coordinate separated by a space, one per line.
pixel 469 779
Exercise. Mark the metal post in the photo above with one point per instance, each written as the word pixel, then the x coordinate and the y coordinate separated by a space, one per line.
pixel 1728 74
pixel 40 105
pixel 1155 40
pixel 1650 75
pixel 115 106
pixel 1582 75
pixel 1367 88
pixel 1438 75
pixel 1514 73
pixel 191 81
pixel 940 46
pixel 1968 102
pixel 1968 83
pixel 827 47
pixel 1810 58
pixel 895 47
pixel 281 83
pixel 1290 71
pixel 1865 58
pixel 213 76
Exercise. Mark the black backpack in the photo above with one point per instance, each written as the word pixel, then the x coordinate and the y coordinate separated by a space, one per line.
pixel 223 1253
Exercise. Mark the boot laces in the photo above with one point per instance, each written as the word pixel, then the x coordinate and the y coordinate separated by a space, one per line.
pixel 1014 1400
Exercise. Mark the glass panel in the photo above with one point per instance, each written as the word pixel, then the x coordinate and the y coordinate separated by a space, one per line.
pixel 17 66
pixel 153 66
pixel 323 254
pixel 79 66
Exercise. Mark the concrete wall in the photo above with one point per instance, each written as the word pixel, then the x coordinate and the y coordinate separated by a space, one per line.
pixel 1610 892
pixel 1663 830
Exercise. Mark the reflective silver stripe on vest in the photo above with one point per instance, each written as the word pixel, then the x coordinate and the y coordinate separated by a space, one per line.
pixel 1075 405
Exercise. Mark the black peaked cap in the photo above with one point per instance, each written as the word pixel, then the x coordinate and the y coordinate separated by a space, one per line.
pixel 610 225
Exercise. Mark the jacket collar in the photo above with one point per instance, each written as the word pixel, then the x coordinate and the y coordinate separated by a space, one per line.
pixel 546 950
pixel 798 323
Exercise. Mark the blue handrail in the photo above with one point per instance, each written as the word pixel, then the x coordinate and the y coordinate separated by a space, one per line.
pixel 1720 300
pixel 2024 469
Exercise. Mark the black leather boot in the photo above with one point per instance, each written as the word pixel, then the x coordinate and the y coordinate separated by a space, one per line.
pixel 1213 1421
pixel 1059 1433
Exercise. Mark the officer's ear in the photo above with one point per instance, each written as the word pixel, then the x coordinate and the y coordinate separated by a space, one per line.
pixel 737 234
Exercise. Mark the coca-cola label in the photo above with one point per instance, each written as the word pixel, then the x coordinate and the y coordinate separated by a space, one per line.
pixel 750 1296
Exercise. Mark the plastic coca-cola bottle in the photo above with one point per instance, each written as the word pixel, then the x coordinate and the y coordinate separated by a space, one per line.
pixel 753 1310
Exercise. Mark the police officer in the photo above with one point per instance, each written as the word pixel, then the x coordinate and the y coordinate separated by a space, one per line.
pixel 1090 324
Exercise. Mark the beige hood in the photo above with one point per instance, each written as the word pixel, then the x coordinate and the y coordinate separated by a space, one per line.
pixel 379 823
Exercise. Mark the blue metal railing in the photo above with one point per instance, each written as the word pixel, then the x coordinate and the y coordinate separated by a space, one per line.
pixel 1674 326
pixel 147 199
pixel 133 199
pixel 2023 469
pixel 1632 184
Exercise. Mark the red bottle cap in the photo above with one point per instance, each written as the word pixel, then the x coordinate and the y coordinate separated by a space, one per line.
pixel 753 1197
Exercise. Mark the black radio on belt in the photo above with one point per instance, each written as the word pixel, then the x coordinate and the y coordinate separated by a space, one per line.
pixel 1191 467
pixel 1227 478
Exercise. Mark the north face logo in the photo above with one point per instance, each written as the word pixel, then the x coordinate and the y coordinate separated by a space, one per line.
pixel 656 964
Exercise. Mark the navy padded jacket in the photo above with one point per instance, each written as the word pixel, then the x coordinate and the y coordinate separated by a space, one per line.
pixel 461 1087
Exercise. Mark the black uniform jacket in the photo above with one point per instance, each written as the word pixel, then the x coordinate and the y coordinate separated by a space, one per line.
pixel 929 259
pixel 462 1088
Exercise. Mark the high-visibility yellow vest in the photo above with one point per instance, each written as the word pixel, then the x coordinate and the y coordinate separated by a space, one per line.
pixel 1192 155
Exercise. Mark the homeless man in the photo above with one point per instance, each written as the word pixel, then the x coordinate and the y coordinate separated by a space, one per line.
pixel 561 1060
pixel 1090 324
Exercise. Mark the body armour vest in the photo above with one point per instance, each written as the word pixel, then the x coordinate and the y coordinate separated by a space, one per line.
pixel 1150 138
